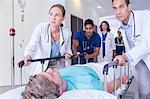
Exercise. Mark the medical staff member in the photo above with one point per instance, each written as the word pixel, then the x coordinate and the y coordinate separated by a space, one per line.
pixel 120 49
pixel 49 39
pixel 86 42
pixel 136 34
pixel 108 43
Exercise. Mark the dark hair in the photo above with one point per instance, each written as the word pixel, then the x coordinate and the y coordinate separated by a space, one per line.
pixel 40 87
pixel 108 28
pixel 61 7
pixel 61 25
pixel 88 21
pixel 127 2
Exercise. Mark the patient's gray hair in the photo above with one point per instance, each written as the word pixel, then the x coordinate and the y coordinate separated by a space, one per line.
pixel 39 87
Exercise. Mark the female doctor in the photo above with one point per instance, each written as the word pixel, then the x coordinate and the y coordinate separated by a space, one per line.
pixel 49 40
pixel 108 43
pixel 136 34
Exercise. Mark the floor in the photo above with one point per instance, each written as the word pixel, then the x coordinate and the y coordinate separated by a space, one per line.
pixel 5 88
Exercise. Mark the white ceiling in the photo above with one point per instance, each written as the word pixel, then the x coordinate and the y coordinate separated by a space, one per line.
pixel 106 9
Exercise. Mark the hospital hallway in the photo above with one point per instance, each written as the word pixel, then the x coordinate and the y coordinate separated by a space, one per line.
pixel 23 23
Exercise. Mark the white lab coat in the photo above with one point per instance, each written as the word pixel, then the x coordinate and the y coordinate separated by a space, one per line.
pixel 141 50
pixel 39 45
pixel 109 47
pixel 141 40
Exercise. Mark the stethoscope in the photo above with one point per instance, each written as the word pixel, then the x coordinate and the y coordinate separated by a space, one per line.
pixel 86 45
pixel 48 28
pixel 134 36
pixel 134 28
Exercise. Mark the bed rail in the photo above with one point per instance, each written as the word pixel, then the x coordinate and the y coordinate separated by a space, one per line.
pixel 105 73
pixel 42 60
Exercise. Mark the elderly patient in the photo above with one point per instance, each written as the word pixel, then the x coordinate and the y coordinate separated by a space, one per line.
pixel 53 83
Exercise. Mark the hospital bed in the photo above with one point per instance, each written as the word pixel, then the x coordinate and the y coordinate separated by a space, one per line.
pixel 79 94
pixel 74 94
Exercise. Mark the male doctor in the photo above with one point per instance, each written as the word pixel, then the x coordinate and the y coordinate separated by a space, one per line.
pixel 136 33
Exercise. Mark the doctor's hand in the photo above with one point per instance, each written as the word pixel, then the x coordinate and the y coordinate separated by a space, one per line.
pixel 121 58
pixel 124 79
pixel 67 56
pixel 87 56
pixel 26 62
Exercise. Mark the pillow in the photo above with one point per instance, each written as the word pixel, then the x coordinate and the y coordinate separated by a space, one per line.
pixel 86 94
pixel 73 94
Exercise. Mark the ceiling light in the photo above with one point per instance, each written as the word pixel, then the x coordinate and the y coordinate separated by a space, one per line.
pixel 99 7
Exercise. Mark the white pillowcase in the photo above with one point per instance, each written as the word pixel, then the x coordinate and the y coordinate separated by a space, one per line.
pixel 87 94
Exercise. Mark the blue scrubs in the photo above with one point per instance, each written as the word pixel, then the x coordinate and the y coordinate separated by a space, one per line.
pixel 87 45
pixel 55 50
pixel 81 77
pixel 103 40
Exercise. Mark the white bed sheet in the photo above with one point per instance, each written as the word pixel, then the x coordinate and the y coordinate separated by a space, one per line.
pixel 87 94
pixel 74 94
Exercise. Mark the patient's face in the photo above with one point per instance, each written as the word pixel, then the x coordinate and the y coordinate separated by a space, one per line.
pixel 53 75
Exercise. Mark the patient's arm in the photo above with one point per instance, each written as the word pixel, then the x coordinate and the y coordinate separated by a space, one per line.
pixel 110 85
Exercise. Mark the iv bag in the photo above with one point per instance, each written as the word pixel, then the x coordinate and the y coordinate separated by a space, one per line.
pixel 22 3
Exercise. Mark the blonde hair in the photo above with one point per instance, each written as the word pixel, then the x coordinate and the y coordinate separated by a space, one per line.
pixel 40 87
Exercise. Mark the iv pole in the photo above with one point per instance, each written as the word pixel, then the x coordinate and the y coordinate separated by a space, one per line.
pixel 22 4
pixel 12 48
pixel 12 34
